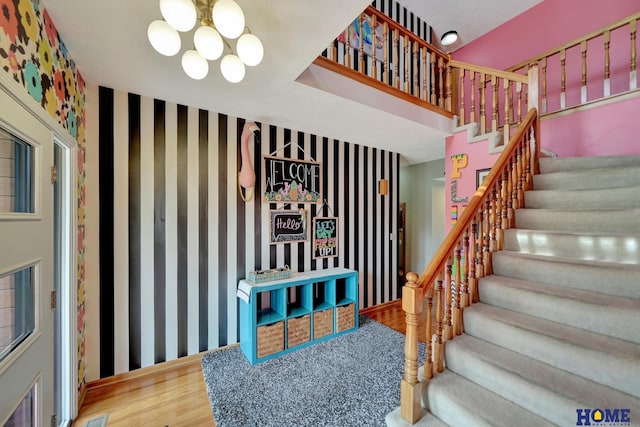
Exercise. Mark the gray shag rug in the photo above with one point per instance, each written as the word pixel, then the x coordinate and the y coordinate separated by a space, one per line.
pixel 350 380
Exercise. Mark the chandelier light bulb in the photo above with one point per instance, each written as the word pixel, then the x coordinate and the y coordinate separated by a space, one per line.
pixel 250 49
pixel 228 18
pixel 208 42
pixel 164 39
pixel 195 65
pixel 232 68
pixel 180 14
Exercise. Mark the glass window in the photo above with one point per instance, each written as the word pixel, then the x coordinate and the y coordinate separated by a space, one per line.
pixel 17 320
pixel 24 414
pixel 16 174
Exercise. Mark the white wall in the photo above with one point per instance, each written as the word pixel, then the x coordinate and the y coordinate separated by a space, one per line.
pixel 424 227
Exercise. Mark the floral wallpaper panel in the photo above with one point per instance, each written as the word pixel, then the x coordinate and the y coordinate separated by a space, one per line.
pixel 34 55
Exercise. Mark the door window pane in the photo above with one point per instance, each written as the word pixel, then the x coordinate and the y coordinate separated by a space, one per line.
pixel 23 416
pixel 17 320
pixel 16 174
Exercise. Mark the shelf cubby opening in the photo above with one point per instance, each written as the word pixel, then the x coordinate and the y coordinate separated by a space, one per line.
pixel 299 300
pixel 345 291
pixel 321 296
pixel 270 307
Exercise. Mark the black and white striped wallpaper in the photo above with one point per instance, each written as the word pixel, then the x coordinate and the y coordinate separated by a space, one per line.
pixel 175 236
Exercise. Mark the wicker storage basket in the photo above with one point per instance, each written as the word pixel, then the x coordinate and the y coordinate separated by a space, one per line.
pixel 322 323
pixel 270 339
pixel 298 330
pixel 346 317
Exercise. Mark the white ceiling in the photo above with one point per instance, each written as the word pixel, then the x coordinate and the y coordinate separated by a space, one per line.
pixel 108 42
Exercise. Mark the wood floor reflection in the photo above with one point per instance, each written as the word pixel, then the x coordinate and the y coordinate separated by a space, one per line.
pixel 174 394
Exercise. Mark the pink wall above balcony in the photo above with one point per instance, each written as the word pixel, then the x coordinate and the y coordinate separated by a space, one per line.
pixel 543 27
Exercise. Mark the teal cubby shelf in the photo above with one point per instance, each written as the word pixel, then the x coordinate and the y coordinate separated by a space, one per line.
pixel 284 315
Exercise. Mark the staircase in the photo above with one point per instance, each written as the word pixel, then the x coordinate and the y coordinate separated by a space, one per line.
pixel 556 333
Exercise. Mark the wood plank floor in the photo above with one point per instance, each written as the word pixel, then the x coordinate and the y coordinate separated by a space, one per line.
pixel 174 394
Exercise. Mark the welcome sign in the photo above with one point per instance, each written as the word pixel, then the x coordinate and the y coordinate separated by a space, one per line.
pixel 291 180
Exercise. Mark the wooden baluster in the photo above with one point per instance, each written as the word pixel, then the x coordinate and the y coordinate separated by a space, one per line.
pixel 483 107
pixel 528 176
pixel 486 258
pixel 442 82
pixel 499 234
pixel 478 241
pixel 438 348
pixel 405 42
pixel 514 183
pixel 448 321
pixel 428 362
pixel 347 49
pixel 361 47
pixel 607 64
pixel 385 43
pixel 334 51
pixel 472 112
pixel 506 200
pixel 416 86
pixel 468 269
pixel 425 88
pixel 434 78
pixel 494 218
pixel 583 86
pixel 472 281
pixel 396 62
pixel 462 118
pixel 410 387
pixel 521 175
pixel 508 109
pixel 456 291
pixel 544 85
pixel 519 101
pixel 448 103
pixel 633 73
pixel 495 116
pixel 563 79
pixel 374 62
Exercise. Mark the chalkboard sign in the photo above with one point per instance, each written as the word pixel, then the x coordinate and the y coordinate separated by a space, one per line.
pixel 325 237
pixel 291 180
pixel 289 226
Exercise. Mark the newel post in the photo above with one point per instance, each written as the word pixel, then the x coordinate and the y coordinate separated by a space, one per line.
pixel 410 387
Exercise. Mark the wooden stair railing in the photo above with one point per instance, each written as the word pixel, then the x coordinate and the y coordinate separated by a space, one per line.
pixel 414 70
pixel 560 90
pixel 450 280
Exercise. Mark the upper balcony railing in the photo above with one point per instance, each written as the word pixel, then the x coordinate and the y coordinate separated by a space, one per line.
pixel 598 65
pixel 381 53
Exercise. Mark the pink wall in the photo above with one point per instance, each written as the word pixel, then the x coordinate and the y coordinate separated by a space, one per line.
pixel 478 158
pixel 545 26
pixel 609 130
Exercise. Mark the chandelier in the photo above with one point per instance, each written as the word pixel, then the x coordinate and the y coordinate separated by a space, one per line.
pixel 220 22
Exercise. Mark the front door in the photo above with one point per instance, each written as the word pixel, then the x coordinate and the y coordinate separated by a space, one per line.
pixel 26 267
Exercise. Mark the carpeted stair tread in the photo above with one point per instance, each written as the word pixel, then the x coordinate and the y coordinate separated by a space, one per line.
pixel 606 360
pixel 587 199
pixel 607 247
pixel 560 164
pixel 540 388
pixel 394 419
pixel 610 315
pixel 597 276
pixel 602 220
pixel 623 176
pixel 460 402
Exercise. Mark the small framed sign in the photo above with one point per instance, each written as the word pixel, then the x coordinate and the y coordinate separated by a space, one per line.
pixel 289 226
pixel 325 237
